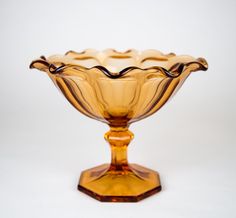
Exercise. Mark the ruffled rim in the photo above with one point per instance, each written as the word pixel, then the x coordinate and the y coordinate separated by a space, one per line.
pixel 174 71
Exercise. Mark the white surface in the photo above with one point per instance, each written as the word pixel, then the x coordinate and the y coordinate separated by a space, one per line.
pixel 45 143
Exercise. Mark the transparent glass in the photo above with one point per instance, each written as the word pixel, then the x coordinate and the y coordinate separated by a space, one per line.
pixel 119 88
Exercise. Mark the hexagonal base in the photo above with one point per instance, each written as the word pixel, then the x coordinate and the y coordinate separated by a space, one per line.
pixel 131 183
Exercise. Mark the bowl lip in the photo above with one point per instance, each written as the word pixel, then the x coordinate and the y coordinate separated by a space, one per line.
pixel 173 72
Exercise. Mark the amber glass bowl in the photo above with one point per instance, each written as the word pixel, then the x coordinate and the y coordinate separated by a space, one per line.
pixel 119 88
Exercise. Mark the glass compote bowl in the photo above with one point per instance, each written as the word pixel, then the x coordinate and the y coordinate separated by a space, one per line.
pixel 119 88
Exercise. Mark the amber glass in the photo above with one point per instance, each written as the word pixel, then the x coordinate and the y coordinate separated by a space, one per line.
pixel 119 88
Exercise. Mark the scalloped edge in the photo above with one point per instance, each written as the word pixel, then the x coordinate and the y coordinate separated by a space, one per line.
pixel 173 72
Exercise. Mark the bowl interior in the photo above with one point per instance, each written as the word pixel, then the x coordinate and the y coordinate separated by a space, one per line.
pixel 115 61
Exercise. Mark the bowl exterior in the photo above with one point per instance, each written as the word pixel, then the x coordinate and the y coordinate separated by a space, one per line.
pixel 118 88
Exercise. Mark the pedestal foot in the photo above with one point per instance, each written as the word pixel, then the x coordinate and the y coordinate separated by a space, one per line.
pixel 132 183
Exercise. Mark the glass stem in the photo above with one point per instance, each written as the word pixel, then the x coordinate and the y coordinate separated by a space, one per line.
pixel 119 139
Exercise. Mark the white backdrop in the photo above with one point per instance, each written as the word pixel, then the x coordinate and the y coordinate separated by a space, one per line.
pixel 45 143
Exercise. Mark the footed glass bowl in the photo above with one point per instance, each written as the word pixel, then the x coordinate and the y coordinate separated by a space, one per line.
pixel 119 88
